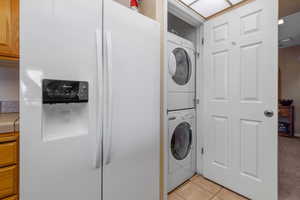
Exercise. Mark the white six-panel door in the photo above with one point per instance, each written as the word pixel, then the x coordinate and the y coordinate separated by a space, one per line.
pixel 240 61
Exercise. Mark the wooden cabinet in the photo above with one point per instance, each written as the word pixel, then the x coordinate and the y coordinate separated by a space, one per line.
pixel 11 198
pixel 286 120
pixel 9 181
pixel 9 29
pixel 8 154
pixel 9 166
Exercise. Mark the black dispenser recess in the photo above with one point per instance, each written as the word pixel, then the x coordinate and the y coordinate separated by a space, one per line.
pixel 64 91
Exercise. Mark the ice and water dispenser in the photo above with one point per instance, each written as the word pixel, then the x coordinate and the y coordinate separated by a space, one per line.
pixel 65 109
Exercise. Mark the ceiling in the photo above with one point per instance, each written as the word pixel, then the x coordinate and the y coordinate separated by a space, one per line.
pixel 288 7
pixel 289 10
pixel 289 32
pixel 208 8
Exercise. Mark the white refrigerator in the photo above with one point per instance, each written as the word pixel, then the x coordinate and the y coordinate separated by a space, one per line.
pixel 103 148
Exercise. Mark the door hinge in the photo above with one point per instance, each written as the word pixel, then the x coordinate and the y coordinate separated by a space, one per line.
pixel 202 41
pixel 202 151
pixel 196 101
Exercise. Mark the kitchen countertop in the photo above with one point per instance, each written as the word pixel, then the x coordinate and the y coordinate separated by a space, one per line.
pixel 9 122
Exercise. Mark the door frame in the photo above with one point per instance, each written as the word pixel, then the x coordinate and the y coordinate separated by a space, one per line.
pixel 181 11
pixel 173 5
pixel 200 95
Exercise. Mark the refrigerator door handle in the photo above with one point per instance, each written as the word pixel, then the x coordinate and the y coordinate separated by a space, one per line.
pixel 108 99
pixel 99 104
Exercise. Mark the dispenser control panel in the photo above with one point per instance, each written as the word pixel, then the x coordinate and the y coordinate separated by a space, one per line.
pixel 63 91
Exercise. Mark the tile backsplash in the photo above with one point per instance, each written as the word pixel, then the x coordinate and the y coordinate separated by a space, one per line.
pixel 9 106
pixel 9 82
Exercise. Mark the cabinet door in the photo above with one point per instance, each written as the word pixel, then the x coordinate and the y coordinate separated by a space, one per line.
pixel 8 183
pixel 9 28
pixel 8 154
pixel 11 198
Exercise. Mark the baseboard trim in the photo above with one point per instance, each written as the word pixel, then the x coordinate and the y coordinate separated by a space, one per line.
pixel 297 134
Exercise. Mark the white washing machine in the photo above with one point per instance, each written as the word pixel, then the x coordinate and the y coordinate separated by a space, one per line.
pixel 181 76
pixel 182 147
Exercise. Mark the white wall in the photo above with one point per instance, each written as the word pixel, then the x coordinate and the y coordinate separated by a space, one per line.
pixel 9 82
pixel 289 64
pixel 124 2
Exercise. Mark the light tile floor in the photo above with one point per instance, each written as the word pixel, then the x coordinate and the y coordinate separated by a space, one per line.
pixel 199 188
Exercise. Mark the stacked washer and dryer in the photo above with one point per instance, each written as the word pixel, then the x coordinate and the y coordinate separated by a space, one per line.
pixel 181 111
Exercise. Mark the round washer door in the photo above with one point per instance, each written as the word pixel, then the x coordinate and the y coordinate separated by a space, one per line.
pixel 181 142
pixel 180 67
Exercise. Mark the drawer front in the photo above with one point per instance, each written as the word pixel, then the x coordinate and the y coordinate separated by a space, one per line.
pixel 9 181
pixel 8 154
pixel 284 112
pixel 11 198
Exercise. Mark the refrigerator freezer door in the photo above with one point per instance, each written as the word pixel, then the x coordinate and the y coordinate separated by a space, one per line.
pixel 131 148
pixel 59 142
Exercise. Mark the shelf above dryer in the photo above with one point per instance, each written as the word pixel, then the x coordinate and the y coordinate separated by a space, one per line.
pixel 146 8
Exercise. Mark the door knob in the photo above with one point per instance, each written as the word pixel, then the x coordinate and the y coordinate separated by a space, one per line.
pixel 269 113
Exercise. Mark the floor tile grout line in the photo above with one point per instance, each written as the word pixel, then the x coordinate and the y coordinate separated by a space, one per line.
pixel 199 186
pixel 185 183
pixel 180 195
pixel 190 182
pixel 217 193
pixel 202 187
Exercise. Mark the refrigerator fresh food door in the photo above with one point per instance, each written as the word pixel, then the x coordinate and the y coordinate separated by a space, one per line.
pixel 132 96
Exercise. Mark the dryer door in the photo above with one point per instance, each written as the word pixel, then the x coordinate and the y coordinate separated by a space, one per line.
pixel 181 77
pixel 181 155
pixel 182 140
pixel 180 66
